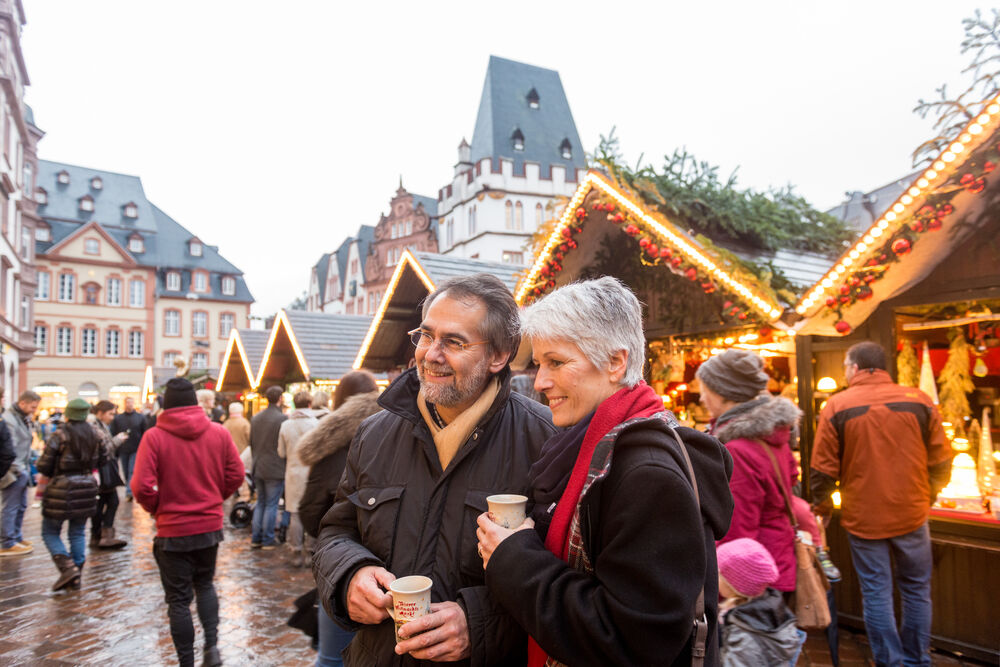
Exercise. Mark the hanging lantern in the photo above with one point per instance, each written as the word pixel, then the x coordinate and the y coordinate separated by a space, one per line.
pixel 901 246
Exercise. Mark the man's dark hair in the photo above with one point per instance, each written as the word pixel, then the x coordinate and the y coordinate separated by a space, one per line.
pixel 867 355
pixel 273 394
pixel 102 406
pixel 502 324
pixel 28 396
pixel 302 399
pixel 355 382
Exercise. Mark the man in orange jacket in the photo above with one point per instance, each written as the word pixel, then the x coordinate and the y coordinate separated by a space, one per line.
pixel 885 445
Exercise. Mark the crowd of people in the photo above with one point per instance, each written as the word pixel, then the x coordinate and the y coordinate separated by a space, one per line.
pixel 645 542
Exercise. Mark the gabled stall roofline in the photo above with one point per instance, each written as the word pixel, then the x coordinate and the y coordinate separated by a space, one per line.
pixel 281 320
pixel 976 132
pixel 406 260
pixel 236 342
pixel 692 250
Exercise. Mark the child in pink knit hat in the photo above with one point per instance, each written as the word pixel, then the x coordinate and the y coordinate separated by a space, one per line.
pixel 757 627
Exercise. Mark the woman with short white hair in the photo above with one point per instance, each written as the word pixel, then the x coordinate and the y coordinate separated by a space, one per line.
pixel 617 564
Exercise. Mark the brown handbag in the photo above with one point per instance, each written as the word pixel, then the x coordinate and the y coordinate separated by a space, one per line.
pixel 811 608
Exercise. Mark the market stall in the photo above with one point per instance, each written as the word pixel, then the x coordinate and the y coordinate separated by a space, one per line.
pixel 924 281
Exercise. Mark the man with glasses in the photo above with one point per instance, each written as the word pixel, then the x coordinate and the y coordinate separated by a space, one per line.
pixel 417 476
pixel 885 445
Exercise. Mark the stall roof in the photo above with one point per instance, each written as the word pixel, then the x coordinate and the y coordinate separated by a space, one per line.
pixel 309 347
pixel 240 363
pixel 415 277
pixel 942 206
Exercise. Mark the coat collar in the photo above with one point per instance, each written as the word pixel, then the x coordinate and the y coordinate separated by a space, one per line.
pixel 401 396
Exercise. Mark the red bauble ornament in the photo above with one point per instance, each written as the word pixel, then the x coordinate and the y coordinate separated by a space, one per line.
pixel 598 206
pixel 708 288
pixel 988 166
pixel 918 226
pixel 831 301
pixel 934 225
pixel 925 211
pixel 691 273
pixel 571 244
pixel 901 246
pixel 643 242
pixel 844 289
pixel 545 270
pixel 562 248
pixel 675 262
pixel 842 327
pixel 536 291
pixel 559 256
pixel 618 218
pixel 727 305
pixel 870 278
pixel 977 186
pixel 556 268
pixel 865 293
pixel 665 253
pixel 871 262
pixel 550 284
pixel 567 232
pixel 742 316
pixel 967 179
pixel 854 281
pixel 631 230
pixel 945 210
pixel 845 299
pixel 580 214
pixel 882 258
pixel 652 250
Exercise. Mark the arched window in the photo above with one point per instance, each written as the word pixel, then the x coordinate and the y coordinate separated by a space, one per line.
pixel 533 100
pixel 517 138
pixel 518 217
pixel 539 215
pixel 566 149
pixel 508 215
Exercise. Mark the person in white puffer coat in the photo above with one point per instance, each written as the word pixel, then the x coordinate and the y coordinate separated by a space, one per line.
pixel 300 421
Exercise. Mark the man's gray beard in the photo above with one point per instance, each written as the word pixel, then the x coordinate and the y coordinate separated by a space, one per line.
pixel 459 393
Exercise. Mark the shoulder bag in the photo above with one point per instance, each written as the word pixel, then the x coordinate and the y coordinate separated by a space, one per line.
pixel 811 608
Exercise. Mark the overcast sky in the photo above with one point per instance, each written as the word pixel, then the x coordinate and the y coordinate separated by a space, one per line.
pixel 275 129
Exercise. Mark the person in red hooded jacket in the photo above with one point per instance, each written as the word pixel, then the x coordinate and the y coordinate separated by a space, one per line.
pixel 186 466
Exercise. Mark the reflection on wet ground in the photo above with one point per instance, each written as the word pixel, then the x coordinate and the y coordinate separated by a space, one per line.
pixel 118 616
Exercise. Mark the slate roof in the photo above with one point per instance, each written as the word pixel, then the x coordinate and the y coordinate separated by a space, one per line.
pixel 861 209
pixel 254 344
pixel 322 268
pixel 441 267
pixel 504 107
pixel 165 240
pixel 329 342
pixel 366 236
pixel 430 204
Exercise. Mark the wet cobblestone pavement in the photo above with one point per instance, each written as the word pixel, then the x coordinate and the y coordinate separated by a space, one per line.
pixel 118 616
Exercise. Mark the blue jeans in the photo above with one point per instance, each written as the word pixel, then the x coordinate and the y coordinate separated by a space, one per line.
pixel 912 552
pixel 333 639
pixel 51 529
pixel 265 512
pixel 15 501
pixel 128 465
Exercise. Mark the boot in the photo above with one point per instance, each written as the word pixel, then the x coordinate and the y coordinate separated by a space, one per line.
pixel 109 541
pixel 211 657
pixel 95 537
pixel 75 584
pixel 68 572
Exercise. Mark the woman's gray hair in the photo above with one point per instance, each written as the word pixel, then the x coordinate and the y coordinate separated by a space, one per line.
pixel 600 316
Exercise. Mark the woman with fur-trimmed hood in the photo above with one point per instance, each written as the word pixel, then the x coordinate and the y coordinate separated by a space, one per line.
pixel 747 419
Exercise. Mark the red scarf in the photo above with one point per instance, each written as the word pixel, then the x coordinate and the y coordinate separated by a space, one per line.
pixel 625 404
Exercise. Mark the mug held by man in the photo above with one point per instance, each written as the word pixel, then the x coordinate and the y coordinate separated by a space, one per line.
pixel 411 599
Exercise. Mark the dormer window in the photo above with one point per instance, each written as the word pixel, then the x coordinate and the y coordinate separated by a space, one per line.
pixel 96 183
pixel 130 210
pixel 566 149
pixel 533 99
pixel 43 234
pixel 135 244
pixel 517 139
pixel 92 247
pixel 228 285
pixel 41 196
pixel 173 281
pixel 86 203
pixel 62 177
pixel 195 247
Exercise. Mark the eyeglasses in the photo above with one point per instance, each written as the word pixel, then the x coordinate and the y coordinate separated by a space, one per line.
pixel 423 340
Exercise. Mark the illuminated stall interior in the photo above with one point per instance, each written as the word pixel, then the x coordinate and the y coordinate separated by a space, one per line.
pixel 924 282
pixel 699 298
pixel 386 348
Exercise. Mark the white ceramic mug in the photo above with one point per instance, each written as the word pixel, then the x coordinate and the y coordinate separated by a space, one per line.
pixel 507 509
pixel 411 599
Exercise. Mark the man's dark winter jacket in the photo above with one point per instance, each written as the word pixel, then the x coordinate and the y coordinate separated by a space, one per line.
pixel 70 456
pixel 396 508
pixel 7 454
pixel 652 551
pixel 324 450
pixel 133 422
pixel 264 429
